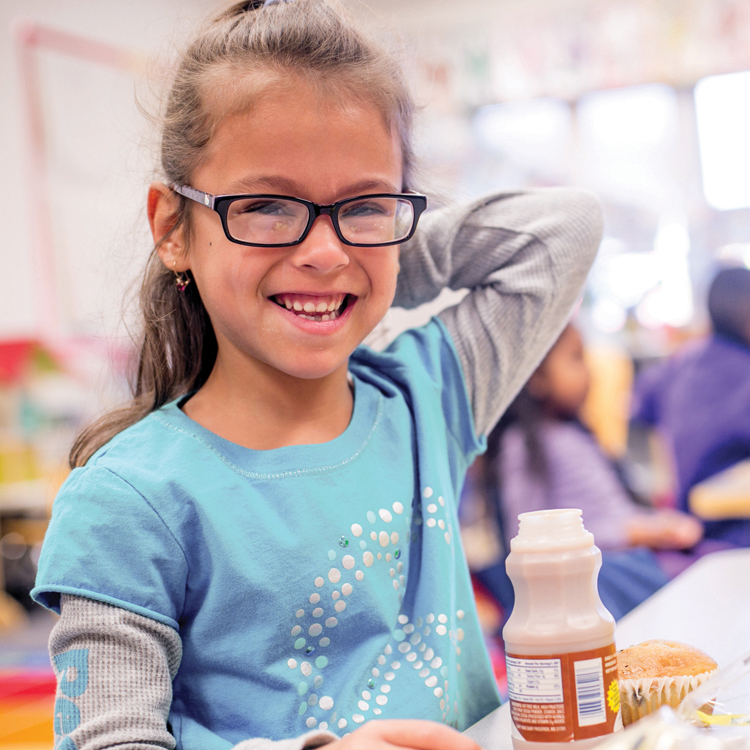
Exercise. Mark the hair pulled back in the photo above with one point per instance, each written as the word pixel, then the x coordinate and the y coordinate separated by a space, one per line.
pixel 221 73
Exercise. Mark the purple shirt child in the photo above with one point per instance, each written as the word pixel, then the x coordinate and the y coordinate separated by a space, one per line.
pixel 700 401
pixel 579 476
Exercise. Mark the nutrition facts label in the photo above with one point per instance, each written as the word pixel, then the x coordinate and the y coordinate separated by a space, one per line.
pixel 534 680
pixel 563 697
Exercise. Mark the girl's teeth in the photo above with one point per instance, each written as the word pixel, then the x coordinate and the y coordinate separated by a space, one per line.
pixel 321 318
pixel 319 312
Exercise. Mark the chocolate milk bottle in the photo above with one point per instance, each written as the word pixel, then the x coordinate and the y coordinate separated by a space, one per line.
pixel 559 639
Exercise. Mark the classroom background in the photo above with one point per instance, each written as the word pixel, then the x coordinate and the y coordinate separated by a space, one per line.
pixel 644 102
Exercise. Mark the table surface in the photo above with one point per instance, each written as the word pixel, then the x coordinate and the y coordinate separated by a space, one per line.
pixel 707 606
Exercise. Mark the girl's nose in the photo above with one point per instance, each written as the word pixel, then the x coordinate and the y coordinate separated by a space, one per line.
pixel 321 250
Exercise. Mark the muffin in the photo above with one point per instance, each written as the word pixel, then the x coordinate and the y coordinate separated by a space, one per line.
pixel 658 673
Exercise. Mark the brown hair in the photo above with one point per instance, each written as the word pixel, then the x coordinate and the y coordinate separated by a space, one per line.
pixel 310 39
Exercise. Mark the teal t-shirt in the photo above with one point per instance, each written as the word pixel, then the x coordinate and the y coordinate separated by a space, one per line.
pixel 312 586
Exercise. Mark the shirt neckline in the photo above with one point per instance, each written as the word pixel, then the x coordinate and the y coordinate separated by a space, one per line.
pixel 293 460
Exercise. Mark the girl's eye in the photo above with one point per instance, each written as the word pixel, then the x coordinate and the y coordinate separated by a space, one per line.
pixel 262 207
pixel 367 209
pixel 266 221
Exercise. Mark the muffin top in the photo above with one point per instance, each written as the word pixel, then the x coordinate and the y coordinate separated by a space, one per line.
pixel 662 659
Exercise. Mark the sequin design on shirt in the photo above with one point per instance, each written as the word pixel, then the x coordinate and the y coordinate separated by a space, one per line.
pixel 420 644
pixel 434 518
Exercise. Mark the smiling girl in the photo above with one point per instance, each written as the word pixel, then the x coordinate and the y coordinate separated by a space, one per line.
pixel 263 546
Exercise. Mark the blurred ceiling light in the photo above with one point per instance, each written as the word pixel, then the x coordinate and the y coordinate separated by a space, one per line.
pixel 630 136
pixel 672 241
pixel 671 302
pixel 735 253
pixel 618 281
pixel 631 275
pixel 535 133
pixel 635 115
pixel 610 246
pixel 722 108
pixel 608 315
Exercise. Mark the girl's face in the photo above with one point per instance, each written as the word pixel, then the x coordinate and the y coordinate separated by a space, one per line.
pixel 297 144
pixel 562 380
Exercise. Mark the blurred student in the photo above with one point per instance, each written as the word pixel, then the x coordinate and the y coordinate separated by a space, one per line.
pixel 699 400
pixel 540 456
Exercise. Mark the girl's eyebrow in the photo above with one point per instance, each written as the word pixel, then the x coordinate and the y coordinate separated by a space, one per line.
pixel 285 186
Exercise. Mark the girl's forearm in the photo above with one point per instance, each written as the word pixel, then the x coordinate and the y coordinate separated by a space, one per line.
pixel 525 256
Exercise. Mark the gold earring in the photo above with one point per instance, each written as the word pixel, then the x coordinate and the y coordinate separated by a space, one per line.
pixel 181 280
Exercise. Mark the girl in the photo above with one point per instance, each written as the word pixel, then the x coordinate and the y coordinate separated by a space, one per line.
pixel 264 543
pixel 550 460
pixel 541 456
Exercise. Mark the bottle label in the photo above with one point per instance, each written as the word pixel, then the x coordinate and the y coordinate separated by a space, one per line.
pixel 564 697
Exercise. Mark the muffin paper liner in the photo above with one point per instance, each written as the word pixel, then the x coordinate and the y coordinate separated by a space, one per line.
pixel 638 698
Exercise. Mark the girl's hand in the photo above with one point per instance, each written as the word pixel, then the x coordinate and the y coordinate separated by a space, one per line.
pixel 665 529
pixel 414 734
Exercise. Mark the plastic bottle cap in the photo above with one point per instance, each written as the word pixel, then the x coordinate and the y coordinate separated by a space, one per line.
pixel 543 530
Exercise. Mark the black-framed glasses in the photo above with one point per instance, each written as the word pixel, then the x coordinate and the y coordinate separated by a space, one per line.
pixel 282 221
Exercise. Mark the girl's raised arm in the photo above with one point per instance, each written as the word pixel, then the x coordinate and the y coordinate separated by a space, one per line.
pixel 524 256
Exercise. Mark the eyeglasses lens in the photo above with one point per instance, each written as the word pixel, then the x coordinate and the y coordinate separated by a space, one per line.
pixel 266 221
pixel 278 221
pixel 374 221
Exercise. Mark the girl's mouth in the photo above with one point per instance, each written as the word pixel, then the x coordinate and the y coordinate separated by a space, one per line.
pixel 316 308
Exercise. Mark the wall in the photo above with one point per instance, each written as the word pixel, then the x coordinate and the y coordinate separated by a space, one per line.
pixel 461 56
pixel 78 184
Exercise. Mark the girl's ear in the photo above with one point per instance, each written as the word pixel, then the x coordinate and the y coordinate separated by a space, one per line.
pixel 163 205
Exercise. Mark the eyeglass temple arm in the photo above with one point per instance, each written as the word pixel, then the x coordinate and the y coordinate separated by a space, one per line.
pixel 195 195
